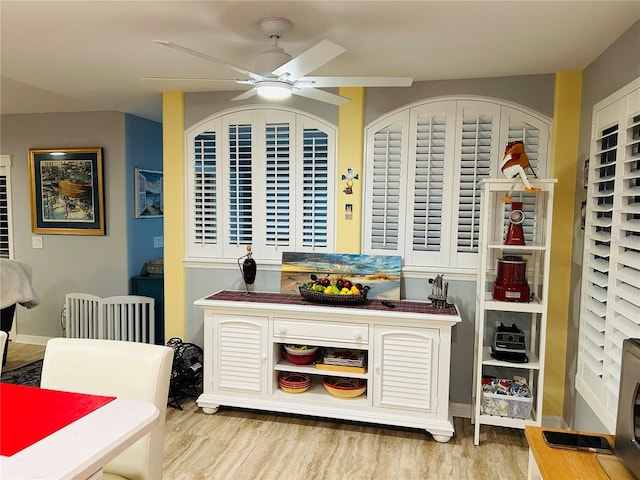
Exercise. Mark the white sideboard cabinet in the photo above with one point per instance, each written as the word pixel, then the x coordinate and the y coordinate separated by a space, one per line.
pixel 408 351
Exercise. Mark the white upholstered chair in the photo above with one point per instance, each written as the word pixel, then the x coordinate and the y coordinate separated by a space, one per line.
pixel 4 338
pixel 132 370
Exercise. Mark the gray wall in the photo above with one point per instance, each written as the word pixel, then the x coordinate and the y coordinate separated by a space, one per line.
pixel 67 263
pixel 616 67
pixel 534 92
pixel 70 263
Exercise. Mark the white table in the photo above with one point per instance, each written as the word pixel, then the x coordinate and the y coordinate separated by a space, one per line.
pixel 82 448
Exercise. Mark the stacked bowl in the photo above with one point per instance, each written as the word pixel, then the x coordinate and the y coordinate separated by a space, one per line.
pixel 294 382
pixel 300 354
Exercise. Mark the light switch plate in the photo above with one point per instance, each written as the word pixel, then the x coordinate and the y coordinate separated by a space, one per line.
pixel 36 242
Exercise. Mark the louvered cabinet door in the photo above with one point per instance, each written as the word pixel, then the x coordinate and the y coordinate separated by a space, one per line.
pixel 239 362
pixel 406 368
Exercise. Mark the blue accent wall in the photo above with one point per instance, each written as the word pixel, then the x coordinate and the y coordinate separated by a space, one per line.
pixel 143 146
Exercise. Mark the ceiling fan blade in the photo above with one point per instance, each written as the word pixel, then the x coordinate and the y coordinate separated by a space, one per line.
pixel 247 94
pixel 320 95
pixel 204 56
pixel 354 82
pixel 183 79
pixel 309 60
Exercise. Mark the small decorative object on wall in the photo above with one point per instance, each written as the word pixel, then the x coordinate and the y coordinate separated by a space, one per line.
pixel 349 177
pixel 149 196
pixel 67 194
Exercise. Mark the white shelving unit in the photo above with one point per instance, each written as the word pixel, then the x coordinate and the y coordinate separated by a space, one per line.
pixel 530 317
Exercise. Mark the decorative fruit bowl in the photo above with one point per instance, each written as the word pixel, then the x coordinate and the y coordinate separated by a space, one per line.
pixel 334 292
pixel 300 354
pixel 344 387
pixel 294 382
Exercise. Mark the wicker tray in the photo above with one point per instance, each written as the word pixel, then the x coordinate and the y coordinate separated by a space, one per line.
pixel 334 299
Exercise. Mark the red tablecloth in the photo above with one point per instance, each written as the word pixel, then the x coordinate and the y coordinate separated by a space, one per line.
pixel 28 414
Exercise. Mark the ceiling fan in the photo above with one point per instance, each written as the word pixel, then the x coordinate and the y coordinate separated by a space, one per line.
pixel 278 75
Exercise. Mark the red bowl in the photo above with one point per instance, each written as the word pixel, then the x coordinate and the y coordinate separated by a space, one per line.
pixel 301 359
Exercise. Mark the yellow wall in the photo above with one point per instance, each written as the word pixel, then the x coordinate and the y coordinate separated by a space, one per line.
pixel 564 161
pixel 174 235
pixel 350 155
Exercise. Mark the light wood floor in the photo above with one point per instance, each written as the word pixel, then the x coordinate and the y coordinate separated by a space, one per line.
pixel 237 444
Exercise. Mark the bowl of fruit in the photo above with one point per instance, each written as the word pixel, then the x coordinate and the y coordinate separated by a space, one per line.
pixel 334 291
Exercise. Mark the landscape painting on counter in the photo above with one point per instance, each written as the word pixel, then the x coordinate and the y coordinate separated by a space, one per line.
pixel 380 272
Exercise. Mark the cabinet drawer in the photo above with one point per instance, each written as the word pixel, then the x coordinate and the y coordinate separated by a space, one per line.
pixel 284 328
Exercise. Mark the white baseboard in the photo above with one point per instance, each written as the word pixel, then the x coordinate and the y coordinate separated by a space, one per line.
pixel 462 410
pixel 32 339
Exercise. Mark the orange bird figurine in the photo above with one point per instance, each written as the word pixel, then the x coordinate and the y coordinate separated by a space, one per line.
pixel 514 164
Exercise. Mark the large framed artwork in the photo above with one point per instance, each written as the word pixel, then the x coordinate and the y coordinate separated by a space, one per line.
pixel 149 197
pixel 67 195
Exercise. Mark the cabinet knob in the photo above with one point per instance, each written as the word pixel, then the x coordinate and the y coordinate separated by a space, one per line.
pixel 357 335
pixel 282 329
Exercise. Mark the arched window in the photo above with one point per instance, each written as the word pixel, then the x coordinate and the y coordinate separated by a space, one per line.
pixel 423 167
pixel 262 177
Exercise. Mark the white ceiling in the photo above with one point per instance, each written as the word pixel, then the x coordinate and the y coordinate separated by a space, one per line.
pixel 61 56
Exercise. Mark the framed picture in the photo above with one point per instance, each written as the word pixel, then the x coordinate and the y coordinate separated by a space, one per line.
pixel 149 198
pixel 67 195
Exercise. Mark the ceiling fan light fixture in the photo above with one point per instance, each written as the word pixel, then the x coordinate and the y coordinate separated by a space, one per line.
pixel 273 90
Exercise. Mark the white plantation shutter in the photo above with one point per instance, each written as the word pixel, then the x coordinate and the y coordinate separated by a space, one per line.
pixel 203 206
pixel 316 192
pixel 428 183
pixel 386 172
pixel 6 247
pixel 423 170
pixel 478 151
pixel 610 309
pixel 239 183
pixel 278 184
pixel 430 131
pixel 261 177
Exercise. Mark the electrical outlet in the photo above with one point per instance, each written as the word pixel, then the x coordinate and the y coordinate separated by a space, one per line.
pixel 158 242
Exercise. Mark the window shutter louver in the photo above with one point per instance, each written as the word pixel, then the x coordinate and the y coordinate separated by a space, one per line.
pixel 278 184
pixel 5 233
pixel 315 188
pixel 428 182
pixel 475 165
pixel 240 184
pixel 610 309
pixel 205 193
pixel 386 181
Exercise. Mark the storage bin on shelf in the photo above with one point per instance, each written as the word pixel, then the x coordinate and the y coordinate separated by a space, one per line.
pixel 506 403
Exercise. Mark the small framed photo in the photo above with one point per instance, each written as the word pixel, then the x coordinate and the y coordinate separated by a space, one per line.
pixel 149 197
pixel 67 193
